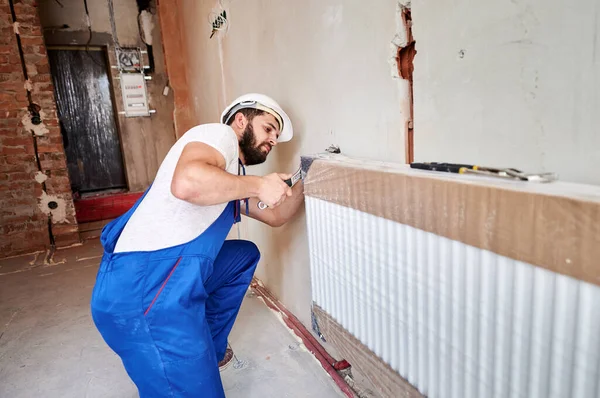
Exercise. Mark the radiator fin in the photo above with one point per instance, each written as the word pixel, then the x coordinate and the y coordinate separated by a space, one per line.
pixel 454 320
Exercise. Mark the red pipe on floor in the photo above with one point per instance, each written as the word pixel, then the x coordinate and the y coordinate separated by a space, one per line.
pixel 312 344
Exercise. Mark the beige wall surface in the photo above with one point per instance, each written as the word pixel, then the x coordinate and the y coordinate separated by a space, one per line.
pixel 513 84
pixel 329 64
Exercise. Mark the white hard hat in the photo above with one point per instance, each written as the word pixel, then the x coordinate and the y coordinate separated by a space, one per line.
pixel 264 103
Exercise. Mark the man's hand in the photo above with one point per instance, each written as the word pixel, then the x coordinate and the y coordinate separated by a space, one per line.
pixel 273 190
pixel 278 216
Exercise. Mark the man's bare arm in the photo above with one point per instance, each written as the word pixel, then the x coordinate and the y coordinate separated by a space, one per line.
pixel 200 178
pixel 276 217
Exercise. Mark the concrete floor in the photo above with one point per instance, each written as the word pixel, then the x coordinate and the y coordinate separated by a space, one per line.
pixel 50 348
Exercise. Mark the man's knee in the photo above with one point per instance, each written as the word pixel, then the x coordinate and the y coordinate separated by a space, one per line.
pixel 250 249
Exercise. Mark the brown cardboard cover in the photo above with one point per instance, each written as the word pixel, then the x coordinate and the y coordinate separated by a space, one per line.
pixel 553 225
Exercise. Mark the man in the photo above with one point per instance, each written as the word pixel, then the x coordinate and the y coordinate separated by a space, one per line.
pixel 169 285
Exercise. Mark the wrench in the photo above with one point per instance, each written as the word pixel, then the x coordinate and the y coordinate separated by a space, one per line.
pixel 291 182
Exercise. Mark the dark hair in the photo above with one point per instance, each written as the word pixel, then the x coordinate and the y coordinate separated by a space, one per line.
pixel 250 113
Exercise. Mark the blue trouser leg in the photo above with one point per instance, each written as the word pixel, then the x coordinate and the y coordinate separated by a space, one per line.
pixel 232 273
pixel 152 314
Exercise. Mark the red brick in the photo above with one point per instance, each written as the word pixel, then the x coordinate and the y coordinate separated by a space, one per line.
pixel 50 106
pixel 23 203
pixel 59 173
pixel 13 86
pixel 51 122
pixel 15 150
pixel 43 69
pixel 12 124
pixel 30 56
pixel 31 70
pixel 25 242
pixel 34 50
pixel 21 206
pixel 7 31
pixel 10 106
pixel 52 163
pixel 9 168
pixel 8 124
pixel 58 185
pixel 18 159
pixel 5 39
pixel 42 78
pixel 50 148
pixel 6 97
pixel 32 40
pixel 42 61
pixel 27 18
pixel 53 131
pixel 43 87
pixel 30 30
pixel 20 183
pixel 16 141
pixel 11 77
pixel 22 226
pixel 20 176
pixel 43 98
pixel 12 114
pixel 10 68
pixel 7 250
pixel 67 240
pixel 22 10
pixel 14 213
pixel 56 140
pixel 6 49
pixel 21 96
pixel 63 229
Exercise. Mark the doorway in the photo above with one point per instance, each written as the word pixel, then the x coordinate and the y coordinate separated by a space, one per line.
pixel 87 119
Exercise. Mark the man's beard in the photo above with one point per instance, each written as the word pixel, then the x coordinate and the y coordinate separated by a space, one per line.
pixel 253 154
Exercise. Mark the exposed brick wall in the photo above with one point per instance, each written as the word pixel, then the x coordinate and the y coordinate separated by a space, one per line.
pixel 24 210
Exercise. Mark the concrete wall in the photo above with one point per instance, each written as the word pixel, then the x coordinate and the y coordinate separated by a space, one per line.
pixel 327 63
pixel 145 140
pixel 509 84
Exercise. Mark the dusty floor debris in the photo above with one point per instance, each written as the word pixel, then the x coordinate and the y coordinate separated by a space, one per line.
pixel 49 346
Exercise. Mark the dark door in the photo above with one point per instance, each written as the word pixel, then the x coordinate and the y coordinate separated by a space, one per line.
pixel 86 113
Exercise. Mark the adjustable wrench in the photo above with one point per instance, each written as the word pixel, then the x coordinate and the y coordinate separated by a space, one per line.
pixel 290 181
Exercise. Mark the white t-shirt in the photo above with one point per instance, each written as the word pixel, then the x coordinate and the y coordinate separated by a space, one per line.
pixel 161 220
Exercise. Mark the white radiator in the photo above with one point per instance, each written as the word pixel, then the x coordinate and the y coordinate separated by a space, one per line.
pixel 454 320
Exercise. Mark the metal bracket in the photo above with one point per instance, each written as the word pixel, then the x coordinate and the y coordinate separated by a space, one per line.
pixel 315 325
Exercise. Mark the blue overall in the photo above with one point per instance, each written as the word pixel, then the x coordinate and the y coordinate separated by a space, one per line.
pixel 167 313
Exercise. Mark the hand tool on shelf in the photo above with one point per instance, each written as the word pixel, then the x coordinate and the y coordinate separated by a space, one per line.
pixel 508 173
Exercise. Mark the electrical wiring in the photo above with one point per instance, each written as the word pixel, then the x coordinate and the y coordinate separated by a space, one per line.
pixel 89 25
pixel 113 25
pixel 218 19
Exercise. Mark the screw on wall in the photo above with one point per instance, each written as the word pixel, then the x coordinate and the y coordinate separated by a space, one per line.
pixel 34 111
pixel 461 54
pixel 219 22
pixel 52 205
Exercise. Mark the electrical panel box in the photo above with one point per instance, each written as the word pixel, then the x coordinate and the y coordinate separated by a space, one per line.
pixel 129 59
pixel 135 96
